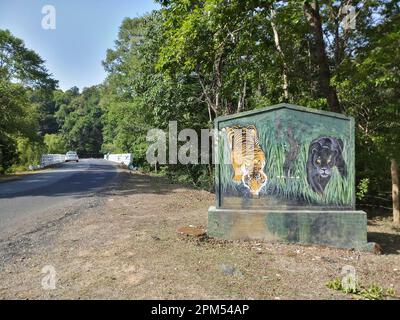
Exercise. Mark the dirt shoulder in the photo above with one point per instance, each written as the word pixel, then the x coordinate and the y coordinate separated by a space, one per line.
pixel 124 245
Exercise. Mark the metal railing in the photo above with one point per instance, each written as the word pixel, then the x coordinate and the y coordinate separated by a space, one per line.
pixel 50 159
pixel 125 158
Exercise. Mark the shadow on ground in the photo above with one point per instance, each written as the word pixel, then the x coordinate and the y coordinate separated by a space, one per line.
pixel 137 183
pixel 389 242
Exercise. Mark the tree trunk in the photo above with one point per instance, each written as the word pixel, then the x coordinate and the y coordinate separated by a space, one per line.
pixel 208 98
pixel 311 11
pixel 285 84
pixel 395 193
pixel 242 98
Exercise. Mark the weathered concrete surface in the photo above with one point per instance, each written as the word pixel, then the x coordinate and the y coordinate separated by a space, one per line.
pixel 345 229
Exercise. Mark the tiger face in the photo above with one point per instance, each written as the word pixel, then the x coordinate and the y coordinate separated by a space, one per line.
pixel 255 181
pixel 247 156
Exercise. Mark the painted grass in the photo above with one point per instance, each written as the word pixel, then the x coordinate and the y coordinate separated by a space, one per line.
pixel 338 191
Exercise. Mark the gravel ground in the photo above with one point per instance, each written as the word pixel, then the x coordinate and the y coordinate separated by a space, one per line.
pixel 123 244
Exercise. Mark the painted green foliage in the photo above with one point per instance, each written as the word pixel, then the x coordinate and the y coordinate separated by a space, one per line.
pixel 285 136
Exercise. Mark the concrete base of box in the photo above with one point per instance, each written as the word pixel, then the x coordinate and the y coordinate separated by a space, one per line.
pixel 344 229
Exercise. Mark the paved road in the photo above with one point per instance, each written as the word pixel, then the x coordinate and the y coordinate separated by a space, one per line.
pixel 41 197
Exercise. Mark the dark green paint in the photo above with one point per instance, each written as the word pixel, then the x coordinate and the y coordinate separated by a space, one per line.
pixel 289 210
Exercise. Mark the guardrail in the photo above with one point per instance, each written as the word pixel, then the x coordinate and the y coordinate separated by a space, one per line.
pixel 125 158
pixel 49 159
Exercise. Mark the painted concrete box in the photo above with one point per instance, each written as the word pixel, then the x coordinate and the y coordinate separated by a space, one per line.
pixel 286 173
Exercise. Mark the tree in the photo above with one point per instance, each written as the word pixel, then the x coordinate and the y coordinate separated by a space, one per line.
pixel 80 121
pixel 13 113
pixel 22 75
pixel 194 60
pixel 312 13
pixel 395 193
pixel 218 43
pixel 55 144
pixel 20 64
pixel 285 84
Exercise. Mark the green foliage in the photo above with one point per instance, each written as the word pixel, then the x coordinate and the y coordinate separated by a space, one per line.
pixel 19 63
pixel 371 292
pixel 192 61
pixel 13 105
pixel 137 97
pixel 29 152
pixel 18 126
pixel 362 188
pixel 8 153
pixel 55 144
pixel 79 117
pixel 367 84
pixel 335 284
pixel 23 78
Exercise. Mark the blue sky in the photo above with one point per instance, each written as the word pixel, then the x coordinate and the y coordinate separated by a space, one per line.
pixel 85 29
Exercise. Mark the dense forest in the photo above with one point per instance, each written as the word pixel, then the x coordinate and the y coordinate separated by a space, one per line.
pixel 192 61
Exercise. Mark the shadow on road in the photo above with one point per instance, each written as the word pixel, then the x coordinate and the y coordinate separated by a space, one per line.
pixel 71 180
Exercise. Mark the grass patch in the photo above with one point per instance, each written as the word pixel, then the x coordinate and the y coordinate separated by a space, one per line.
pixel 371 292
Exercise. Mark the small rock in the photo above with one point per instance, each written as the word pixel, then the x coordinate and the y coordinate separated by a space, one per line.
pixel 230 270
pixel 227 269
pixel 377 249
pixel 192 231
pixel 327 259
pixel 239 273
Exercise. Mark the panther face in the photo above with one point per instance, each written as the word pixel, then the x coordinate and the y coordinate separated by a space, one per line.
pixel 324 161
pixel 254 181
pixel 324 153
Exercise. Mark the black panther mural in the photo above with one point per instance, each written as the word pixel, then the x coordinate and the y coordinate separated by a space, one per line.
pixel 324 153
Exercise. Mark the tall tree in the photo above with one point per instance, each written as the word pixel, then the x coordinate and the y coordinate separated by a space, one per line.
pixel 19 64
pixel 22 71
pixel 312 12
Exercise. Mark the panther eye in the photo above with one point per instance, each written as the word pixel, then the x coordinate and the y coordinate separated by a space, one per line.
pixel 319 161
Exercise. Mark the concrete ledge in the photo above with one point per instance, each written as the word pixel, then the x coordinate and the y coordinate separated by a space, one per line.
pixel 343 229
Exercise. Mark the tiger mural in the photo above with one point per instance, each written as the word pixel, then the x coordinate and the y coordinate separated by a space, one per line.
pixel 247 157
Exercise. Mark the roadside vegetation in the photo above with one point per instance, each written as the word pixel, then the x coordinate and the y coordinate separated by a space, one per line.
pixel 371 292
pixel 35 116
